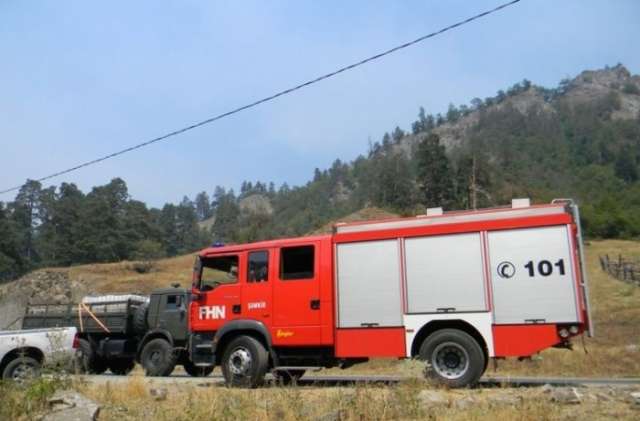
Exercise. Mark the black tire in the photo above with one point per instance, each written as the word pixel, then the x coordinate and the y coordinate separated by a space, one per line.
pixel 121 366
pixel 157 358
pixel 88 360
pixel 139 322
pixel 244 362
pixel 195 371
pixel 288 377
pixel 455 358
pixel 21 369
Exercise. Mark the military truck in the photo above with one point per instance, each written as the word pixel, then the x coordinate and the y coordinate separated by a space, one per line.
pixel 115 331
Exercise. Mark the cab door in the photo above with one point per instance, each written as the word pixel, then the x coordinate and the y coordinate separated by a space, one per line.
pixel 296 295
pixel 173 315
pixel 257 287
pixel 219 291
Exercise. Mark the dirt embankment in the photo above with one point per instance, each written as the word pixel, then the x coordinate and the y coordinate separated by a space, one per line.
pixel 44 286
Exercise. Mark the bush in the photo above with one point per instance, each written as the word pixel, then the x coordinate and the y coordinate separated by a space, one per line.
pixel 148 250
pixel 142 267
pixel 631 88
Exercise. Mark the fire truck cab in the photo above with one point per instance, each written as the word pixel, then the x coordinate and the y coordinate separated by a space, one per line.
pixel 451 288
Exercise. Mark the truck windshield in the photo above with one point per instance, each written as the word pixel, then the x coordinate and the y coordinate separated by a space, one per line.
pixel 218 270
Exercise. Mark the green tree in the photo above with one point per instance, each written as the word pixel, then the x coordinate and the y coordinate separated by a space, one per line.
pixel 11 261
pixel 397 134
pixel 227 214
pixel 26 217
pixel 66 223
pixel 434 173
pixel 203 206
pixel 101 224
pixel 626 167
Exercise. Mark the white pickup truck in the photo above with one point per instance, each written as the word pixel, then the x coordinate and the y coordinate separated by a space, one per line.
pixel 24 352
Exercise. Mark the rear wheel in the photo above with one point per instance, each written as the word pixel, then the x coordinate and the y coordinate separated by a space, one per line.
pixel 288 377
pixel 121 366
pixel 88 360
pixel 21 369
pixel 195 371
pixel 244 362
pixel 157 358
pixel 455 358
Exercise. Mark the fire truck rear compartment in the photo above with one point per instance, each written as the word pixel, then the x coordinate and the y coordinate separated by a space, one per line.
pixel 522 279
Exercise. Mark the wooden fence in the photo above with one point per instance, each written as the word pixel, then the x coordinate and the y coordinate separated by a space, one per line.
pixel 621 268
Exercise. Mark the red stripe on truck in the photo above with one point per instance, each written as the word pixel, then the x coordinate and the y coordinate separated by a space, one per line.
pixel 371 342
pixel 523 340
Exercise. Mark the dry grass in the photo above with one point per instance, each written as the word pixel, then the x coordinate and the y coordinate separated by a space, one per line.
pixel 366 214
pixel 187 402
pixel 122 278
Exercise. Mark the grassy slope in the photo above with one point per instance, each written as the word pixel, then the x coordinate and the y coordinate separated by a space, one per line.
pixel 615 350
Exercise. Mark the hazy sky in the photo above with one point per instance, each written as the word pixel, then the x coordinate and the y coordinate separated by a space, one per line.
pixel 80 79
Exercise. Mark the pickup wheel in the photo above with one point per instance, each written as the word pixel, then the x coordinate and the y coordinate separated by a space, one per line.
pixel 195 371
pixel 157 358
pixel 288 377
pixel 88 360
pixel 21 368
pixel 121 366
pixel 244 362
pixel 455 358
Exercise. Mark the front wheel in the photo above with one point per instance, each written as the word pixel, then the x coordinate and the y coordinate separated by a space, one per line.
pixel 157 358
pixel 455 358
pixel 244 362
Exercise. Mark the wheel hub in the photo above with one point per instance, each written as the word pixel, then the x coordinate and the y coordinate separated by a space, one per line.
pixel 450 360
pixel 240 361
pixel 22 372
pixel 156 357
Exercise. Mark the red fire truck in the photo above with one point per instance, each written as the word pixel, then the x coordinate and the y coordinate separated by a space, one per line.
pixel 451 288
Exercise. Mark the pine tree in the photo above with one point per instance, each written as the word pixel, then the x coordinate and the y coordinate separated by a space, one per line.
pixel 397 134
pixel 434 173
pixel 11 262
pixel 227 214
pixel 26 217
pixel 203 206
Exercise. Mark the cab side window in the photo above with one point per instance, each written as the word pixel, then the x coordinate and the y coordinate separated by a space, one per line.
pixel 174 302
pixel 218 270
pixel 258 269
pixel 297 263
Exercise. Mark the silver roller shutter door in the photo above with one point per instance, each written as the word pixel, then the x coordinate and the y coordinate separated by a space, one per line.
pixel 445 272
pixel 369 284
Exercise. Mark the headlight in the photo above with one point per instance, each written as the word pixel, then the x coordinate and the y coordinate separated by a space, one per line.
pixel 573 330
pixel 564 333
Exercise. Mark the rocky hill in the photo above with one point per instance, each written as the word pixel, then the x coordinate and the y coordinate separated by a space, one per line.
pixel 587 88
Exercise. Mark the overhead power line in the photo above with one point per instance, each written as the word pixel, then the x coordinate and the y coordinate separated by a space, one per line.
pixel 271 97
